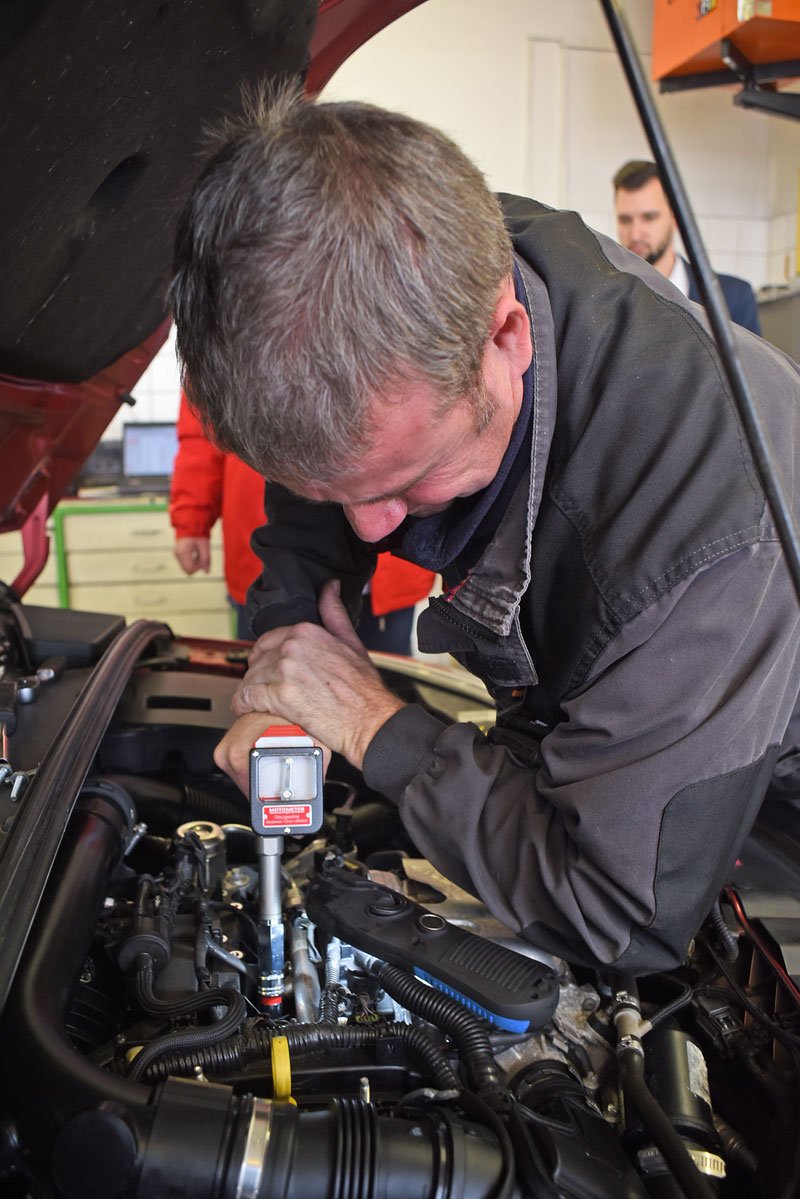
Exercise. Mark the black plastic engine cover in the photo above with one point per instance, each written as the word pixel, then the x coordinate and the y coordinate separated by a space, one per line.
pixel 509 989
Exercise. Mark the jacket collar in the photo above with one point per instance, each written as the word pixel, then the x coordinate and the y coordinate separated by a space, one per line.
pixel 493 589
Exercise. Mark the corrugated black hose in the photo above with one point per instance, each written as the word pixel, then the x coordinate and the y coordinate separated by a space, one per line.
pixel 466 1030
pixel 254 1044
pixel 185 1039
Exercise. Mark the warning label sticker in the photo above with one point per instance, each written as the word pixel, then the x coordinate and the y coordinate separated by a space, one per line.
pixel 286 815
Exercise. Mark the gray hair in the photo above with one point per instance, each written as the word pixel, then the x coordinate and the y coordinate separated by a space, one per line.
pixel 329 254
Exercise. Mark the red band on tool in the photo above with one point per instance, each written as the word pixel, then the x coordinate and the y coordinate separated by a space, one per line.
pixel 284 730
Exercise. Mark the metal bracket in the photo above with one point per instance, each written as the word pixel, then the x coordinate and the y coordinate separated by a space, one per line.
pixel 754 77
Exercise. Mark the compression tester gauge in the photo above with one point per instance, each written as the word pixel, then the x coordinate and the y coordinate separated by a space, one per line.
pixel 285 799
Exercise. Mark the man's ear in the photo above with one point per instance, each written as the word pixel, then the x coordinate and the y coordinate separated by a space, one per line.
pixel 511 330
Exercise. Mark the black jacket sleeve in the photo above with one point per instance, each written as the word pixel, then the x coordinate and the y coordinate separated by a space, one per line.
pixel 302 546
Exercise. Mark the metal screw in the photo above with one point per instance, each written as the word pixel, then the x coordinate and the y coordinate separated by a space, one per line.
pixel 6 770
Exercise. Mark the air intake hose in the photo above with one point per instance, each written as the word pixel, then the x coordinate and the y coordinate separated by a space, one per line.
pixel 207 1144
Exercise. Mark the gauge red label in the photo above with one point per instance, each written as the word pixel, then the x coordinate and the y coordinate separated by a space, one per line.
pixel 286 815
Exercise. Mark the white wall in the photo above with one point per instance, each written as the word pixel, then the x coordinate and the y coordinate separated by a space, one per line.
pixel 534 92
pixel 784 188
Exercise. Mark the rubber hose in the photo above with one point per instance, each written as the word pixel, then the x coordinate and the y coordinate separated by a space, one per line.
pixel 196 1038
pixel 200 804
pixel 466 1030
pixel 150 1003
pixel 729 942
pixel 328 1006
pixel 659 1125
pixel 255 1044
pixel 346 1036
pixel 166 805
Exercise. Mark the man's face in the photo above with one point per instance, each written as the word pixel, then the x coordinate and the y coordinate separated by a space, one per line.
pixel 645 224
pixel 420 461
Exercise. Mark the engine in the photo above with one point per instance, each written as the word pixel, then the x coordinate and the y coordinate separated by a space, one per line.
pixel 195 1017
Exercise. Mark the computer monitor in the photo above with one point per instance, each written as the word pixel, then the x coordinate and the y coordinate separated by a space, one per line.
pixel 148 454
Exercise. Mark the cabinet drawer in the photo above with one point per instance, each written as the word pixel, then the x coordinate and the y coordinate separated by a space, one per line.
pixel 132 531
pixel 113 566
pixel 117 531
pixel 150 599
pixel 45 595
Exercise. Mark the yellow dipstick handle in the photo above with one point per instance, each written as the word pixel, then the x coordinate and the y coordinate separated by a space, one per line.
pixel 281 1071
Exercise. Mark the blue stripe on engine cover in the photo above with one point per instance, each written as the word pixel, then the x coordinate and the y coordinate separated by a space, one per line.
pixel 501 1021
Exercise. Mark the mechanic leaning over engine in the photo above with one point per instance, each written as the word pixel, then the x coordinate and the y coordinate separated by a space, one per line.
pixel 489 389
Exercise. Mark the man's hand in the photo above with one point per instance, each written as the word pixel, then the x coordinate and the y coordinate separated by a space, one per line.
pixel 321 679
pixel 193 553
pixel 233 752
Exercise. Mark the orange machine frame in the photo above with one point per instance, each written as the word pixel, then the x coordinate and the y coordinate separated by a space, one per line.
pixel 688 34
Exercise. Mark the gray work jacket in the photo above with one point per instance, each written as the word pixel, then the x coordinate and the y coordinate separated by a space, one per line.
pixel 633 617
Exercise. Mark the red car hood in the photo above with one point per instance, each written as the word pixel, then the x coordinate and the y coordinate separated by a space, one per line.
pixel 102 112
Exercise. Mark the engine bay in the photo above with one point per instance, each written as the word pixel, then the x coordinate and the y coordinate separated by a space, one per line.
pixel 409 1045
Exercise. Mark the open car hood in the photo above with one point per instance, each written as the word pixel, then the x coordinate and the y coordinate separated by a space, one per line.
pixel 102 113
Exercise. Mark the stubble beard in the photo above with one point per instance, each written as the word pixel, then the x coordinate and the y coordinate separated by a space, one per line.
pixel 658 253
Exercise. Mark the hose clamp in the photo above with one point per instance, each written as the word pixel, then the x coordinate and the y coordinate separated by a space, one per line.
pixel 630 1042
pixel 255 1150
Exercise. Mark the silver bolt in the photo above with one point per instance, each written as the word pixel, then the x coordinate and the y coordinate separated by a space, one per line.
pixel 137 832
pixel 27 689
pixel 18 785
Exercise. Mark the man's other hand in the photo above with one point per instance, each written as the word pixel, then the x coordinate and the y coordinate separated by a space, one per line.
pixel 193 553
pixel 320 678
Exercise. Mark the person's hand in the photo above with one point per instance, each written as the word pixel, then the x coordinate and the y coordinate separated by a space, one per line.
pixel 193 553
pixel 320 678
pixel 233 752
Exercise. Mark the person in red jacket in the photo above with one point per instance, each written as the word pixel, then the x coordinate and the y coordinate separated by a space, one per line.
pixel 207 484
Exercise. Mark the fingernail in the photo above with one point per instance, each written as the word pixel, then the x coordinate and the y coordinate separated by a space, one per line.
pixel 337 587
